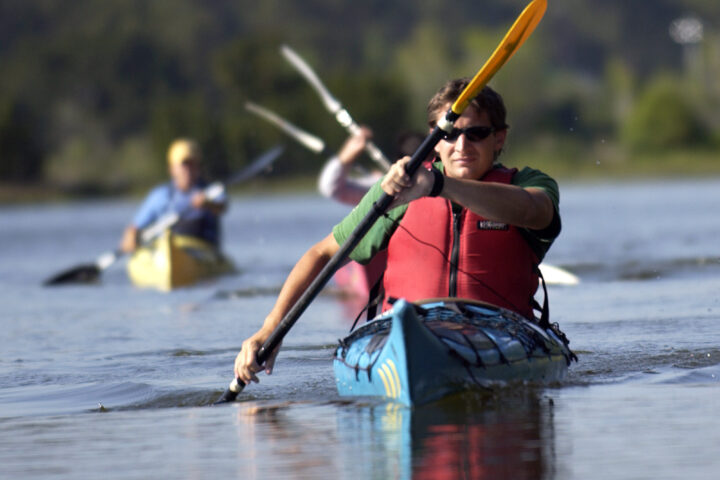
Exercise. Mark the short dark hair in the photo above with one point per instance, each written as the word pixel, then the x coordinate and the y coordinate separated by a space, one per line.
pixel 488 100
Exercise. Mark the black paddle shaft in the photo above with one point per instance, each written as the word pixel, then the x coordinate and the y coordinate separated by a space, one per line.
pixel 379 208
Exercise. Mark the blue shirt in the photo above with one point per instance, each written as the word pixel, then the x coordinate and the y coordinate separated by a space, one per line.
pixel 165 199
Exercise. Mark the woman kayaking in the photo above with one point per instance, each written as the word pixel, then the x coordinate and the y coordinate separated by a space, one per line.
pixel 468 227
pixel 200 216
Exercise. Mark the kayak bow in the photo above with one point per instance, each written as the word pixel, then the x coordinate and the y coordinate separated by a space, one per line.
pixel 415 354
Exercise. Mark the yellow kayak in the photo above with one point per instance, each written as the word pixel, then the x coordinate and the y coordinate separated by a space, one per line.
pixel 174 260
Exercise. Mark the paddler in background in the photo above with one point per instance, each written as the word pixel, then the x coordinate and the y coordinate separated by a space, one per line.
pixel 183 194
pixel 336 182
pixel 468 227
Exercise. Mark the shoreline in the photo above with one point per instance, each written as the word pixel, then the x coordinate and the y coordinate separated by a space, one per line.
pixel 680 165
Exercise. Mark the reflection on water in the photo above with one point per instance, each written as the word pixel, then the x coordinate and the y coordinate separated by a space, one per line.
pixel 509 434
pixel 91 376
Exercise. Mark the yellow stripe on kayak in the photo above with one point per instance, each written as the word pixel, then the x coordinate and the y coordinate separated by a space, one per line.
pixel 391 364
pixel 391 381
pixel 384 380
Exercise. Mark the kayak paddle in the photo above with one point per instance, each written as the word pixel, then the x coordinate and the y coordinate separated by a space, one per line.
pixel 307 140
pixel 515 37
pixel 332 104
pixel 311 142
pixel 90 272
pixel 553 275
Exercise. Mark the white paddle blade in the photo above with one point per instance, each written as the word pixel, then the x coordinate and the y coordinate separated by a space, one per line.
pixel 214 191
pixel 558 276
pixel 334 106
pixel 106 259
pixel 330 102
pixel 309 141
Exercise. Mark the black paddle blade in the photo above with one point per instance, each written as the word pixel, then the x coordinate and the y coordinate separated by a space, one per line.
pixel 89 273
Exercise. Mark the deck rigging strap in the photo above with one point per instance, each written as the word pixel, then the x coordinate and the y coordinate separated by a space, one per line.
pixel 512 322
pixel 375 297
pixel 544 321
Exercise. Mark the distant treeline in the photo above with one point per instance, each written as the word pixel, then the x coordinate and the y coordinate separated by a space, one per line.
pixel 91 91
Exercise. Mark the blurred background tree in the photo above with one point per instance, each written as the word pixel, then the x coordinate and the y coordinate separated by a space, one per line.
pixel 92 92
pixel 662 117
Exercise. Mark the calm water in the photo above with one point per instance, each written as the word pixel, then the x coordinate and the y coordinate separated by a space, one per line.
pixel 107 381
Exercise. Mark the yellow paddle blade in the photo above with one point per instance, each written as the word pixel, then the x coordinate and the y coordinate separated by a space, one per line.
pixel 516 36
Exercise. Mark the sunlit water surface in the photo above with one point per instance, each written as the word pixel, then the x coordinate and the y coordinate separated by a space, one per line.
pixel 108 381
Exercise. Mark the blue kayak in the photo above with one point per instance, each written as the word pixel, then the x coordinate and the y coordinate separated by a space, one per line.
pixel 418 353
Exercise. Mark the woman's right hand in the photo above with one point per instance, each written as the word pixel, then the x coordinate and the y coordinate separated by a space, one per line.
pixel 129 241
pixel 354 146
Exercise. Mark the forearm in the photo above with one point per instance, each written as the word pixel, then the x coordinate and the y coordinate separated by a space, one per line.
pixel 128 243
pixel 523 207
pixel 297 282
pixel 299 279
pixel 332 177
pixel 334 182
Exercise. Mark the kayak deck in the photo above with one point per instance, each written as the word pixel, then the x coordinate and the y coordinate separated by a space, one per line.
pixel 173 261
pixel 415 354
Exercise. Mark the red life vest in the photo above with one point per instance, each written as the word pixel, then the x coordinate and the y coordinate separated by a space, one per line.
pixel 435 253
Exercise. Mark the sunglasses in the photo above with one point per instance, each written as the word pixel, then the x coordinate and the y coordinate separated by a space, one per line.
pixel 473 134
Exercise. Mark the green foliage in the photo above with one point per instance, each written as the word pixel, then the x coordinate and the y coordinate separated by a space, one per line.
pixel 426 46
pixel 662 118
pixel 20 156
pixel 93 91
